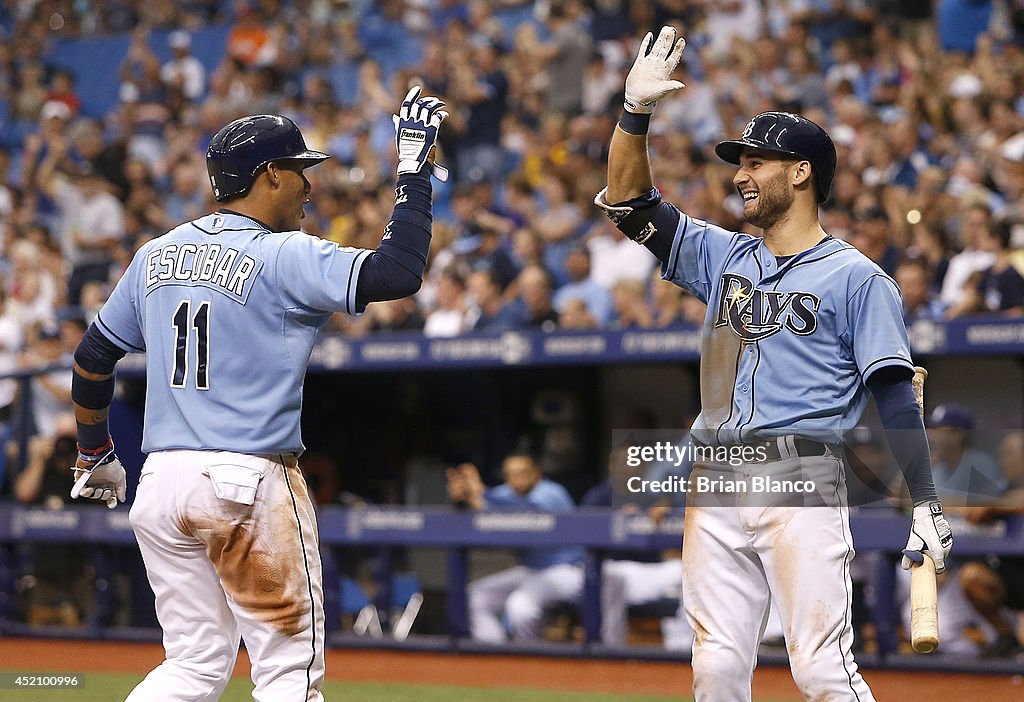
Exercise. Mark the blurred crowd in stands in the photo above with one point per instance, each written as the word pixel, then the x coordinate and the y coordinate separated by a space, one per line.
pixel 924 101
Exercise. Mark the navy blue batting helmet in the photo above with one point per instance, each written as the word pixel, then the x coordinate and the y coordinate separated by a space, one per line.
pixel 239 150
pixel 791 134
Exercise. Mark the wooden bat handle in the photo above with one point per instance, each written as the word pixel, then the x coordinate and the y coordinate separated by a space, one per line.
pixel 920 375
pixel 924 601
pixel 924 614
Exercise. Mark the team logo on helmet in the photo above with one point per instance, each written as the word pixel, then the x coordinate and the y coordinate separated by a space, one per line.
pixel 754 314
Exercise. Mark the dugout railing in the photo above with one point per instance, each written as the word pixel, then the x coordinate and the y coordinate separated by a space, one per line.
pixel 382 529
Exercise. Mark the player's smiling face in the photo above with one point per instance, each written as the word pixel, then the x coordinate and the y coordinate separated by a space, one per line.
pixel 763 181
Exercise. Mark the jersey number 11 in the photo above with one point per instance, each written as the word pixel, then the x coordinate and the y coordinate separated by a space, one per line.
pixel 201 322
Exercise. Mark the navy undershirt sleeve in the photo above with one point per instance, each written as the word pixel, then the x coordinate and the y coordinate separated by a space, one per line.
pixel 395 269
pixel 904 429
pixel 95 354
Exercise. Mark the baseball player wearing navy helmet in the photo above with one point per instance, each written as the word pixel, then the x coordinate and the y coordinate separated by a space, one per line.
pixel 789 135
pixel 226 308
pixel 800 327
pixel 239 150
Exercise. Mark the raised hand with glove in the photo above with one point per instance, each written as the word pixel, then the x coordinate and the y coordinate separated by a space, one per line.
pixel 631 200
pixel 648 80
pixel 930 535
pixel 99 475
pixel 416 126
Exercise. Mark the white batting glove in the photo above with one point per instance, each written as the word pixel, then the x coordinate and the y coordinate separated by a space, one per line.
pixel 416 126
pixel 648 79
pixel 102 478
pixel 929 534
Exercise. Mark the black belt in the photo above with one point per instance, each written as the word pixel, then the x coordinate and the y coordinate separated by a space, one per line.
pixel 780 447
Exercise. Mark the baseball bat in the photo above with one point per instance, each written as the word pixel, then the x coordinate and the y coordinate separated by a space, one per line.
pixel 924 602
pixel 924 609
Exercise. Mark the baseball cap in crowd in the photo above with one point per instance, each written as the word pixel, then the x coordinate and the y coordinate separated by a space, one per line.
pixel 467 244
pixel 482 41
pixel 49 332
pixel 965 85
pixel 1013 148
pixel 179 39
pixel 891 114
pixel 844 135
pixel 951 415
pixel 128 92
pixel 55 108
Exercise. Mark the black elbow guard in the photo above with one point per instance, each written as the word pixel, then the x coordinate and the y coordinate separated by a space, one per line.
pixel 91 394
pixel 632 217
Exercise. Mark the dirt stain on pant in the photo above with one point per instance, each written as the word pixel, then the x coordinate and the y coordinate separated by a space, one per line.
pixel 700 633
pixel 257 553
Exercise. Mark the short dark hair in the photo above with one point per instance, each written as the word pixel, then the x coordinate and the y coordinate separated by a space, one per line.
pixel 527 456
pixel 916 262
pixel 489 273
pixel 870 213
pixel 453 274
pixel 1002 231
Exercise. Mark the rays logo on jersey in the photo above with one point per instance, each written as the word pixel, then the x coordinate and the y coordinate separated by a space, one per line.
pixel 755 314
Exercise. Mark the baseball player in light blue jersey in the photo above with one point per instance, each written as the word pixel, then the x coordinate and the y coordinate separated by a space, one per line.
pixel 227 308
pixel 800 327
pixel 511 602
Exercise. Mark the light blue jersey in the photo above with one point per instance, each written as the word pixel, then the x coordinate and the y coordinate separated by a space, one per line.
pixel 546 496
pixel 227 313
pixel 785 350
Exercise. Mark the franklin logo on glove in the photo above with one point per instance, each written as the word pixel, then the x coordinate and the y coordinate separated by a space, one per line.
pixel 415 144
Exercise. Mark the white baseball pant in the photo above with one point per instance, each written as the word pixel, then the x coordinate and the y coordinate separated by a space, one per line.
pixel 637 583
pixel 737 558
pixel 231 550
pixel 519 594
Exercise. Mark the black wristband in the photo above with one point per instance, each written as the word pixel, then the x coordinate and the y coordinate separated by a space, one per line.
pixel 91 394
pixel 93 438
pixel 634 123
